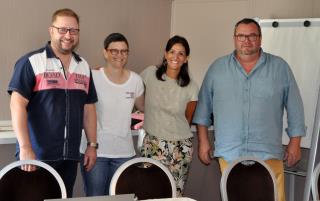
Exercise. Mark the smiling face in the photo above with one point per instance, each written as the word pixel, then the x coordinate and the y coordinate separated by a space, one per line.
pixel 116 54
pixel 176 57
pixel 247 47
pixel 64 43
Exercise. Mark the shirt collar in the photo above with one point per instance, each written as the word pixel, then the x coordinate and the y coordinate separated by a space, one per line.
pixel 262 54
pixel 50 53
pixel 261 60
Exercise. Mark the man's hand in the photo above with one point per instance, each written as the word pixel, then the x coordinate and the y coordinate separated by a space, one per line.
pixel 204 150
pixel 90 157
pixel 26 153
pixel 293 151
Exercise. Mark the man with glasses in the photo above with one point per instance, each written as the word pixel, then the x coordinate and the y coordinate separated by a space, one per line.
pixel 247 92
pixel 52 100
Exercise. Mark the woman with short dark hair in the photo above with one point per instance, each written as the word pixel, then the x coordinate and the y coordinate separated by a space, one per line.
pixel 119 90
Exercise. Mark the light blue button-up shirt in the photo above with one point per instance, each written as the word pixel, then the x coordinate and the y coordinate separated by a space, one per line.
pixel 248 108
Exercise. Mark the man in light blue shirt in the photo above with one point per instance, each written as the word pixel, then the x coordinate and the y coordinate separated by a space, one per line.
pixel 247 92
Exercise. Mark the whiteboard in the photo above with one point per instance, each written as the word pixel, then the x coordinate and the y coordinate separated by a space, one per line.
pixel 300 47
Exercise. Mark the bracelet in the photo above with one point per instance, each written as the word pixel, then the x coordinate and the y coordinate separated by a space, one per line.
pixel 93 144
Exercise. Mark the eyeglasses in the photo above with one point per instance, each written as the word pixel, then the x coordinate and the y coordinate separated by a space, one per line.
pixel 64 30
pixel 251 37
pixel 116 51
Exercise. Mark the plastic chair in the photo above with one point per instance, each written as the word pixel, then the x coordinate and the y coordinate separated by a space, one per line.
pixel 247 179
pixel 19 185
pixel 144 177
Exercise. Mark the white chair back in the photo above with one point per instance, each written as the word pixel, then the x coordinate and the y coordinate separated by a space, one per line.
pixel 142 184
pixel 246 161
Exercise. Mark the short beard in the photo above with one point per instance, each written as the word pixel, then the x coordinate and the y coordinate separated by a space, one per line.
pixel 67 51
pixel 250 52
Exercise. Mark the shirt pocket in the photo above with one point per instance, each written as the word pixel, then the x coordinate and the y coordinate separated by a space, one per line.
pixel 263 88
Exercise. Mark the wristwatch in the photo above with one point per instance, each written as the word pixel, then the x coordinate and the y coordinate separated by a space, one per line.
pixel 93 144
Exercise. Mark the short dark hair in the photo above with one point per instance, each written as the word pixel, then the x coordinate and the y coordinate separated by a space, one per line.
pixel 247 21
pixel 183 76
pixel 114 37
pixel 64 12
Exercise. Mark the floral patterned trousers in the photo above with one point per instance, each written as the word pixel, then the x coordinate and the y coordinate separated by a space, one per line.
pixel 175 155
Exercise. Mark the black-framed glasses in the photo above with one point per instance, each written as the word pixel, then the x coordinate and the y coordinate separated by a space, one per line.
pixel 250 37
pixel 116 51
pixel 64 30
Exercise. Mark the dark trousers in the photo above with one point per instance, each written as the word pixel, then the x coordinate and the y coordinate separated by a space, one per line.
pixel 67 169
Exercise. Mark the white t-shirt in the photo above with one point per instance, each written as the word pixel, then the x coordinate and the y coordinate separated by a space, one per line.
pixel 114 108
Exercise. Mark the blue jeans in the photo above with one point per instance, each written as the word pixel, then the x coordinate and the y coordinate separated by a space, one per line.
pixel 97 181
